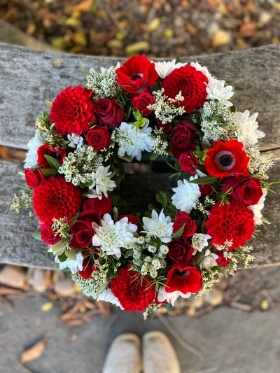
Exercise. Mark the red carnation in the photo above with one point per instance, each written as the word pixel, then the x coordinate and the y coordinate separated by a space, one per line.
pixel 182 218
pixel 227 158
pixel 88 268
pixel 72 110
pixel 47 234
pixel 109 113
pixel 33 178
pixel 137 74
pixel 140 102
pixel 221 260
pixel 82 230
pixel 98 206
pixel 134 291
pixel 182 137
pixel 247 191
pixel 180 252
pixel 192 85
pixel 58 154
pixel 56 198
pixel 231 221
pixel 186 280
pixel 187 161
pixel 98 137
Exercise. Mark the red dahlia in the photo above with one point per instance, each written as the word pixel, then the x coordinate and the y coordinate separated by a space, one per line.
pixel 191 83
pixel 231 221
pixel 72 110
pixel 227 158
pixel 134 291
pixel 186 280
pixel 137 74
pixel 56 198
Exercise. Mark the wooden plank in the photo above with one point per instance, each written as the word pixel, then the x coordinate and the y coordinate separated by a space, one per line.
pixel 29 77
pixel 17 246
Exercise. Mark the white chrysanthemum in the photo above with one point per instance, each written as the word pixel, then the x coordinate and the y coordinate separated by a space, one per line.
pixel 75 141
pixel 170 297
pixel 112 236
pixel 108 296
pixel 186 195
pixel 247 128
pixel 209 260
pixel 33 145
pixel 258 207
pixel 73 265
pixel 203 69
pixel 164 68
pixel 135 140
pixel 199 241
pixel 216 90
pixel 159 226
pixel 102 182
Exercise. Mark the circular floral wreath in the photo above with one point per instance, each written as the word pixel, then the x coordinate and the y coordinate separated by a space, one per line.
pixel 75 165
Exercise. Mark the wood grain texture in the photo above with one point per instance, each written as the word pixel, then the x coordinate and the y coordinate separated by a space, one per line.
pixel 29 77
pixel 17 246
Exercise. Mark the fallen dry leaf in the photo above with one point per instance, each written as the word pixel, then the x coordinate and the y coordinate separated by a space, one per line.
pixel 34 352
pixel 84 6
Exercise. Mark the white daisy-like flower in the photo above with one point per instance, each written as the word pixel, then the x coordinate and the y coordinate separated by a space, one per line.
pixel 186 195
pixel 102 182
pixel 170 297
pixel 33 145
pixel 159 226
pixel 164 68
pixel 108 296
pixel 203 69
pixel 75 141
pixel 216 90
pixel 135 140
pixel 199 241
pixel 258 207
pixel 247 128
pixel 209 260
pixel 112 236
pixel 73 265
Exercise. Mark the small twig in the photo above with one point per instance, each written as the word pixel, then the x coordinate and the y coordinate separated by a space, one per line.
pixel 178 337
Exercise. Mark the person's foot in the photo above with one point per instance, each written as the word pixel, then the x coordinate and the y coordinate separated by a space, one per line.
pixel 124 355
pixel 158 354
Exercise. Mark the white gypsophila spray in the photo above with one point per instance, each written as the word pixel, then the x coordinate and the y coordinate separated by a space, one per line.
pixel 159 226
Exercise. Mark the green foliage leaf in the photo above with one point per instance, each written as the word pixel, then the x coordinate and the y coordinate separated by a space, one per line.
pixel 52 162
pixel 153 156
pixel 60 246
pixel 161 197
pixel 179 232
pixel 71 254
pixel 48 172
pixel 37 236
pixel 62 257
pixel 73 219
pixel 206 180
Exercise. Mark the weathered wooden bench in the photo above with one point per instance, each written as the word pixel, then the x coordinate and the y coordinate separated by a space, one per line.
pixel 28 78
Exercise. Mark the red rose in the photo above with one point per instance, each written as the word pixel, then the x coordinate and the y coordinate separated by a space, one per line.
pixel 33 178
pixel 134 292
pixel 72 111
pixel 221 260
pixel 187 161
pixel 165 127
pixel 109 113
pixel 56 198
pixel 231 221
pixel 131 219
pixel 82 230
pixel 98 137
pixel 88 268
pixel 182 137
pixel 192 85
pixel 227 158
pixel 98 206
pixel 247 191
pixel 58 154
pixel 137 74
pixel 180 252
pixel 205 190
pixel 186 280
pixel 182 218
pixel 47 234
pixel 141 102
